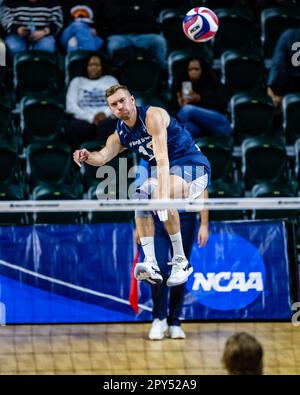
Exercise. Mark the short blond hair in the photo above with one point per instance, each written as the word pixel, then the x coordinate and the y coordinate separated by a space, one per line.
pixel 113 89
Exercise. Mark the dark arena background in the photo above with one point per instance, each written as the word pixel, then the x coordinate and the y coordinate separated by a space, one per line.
pixel 69 302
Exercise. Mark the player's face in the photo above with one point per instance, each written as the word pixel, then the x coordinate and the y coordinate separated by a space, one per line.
pixel 194 70
pixel 122 105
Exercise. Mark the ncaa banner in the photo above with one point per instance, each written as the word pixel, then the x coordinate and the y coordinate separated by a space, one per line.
pixel 82 273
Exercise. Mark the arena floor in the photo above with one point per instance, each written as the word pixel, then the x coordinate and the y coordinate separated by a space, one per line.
pixel 125 349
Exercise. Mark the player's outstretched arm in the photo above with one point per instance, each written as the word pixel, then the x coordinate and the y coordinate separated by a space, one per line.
pixel 98 158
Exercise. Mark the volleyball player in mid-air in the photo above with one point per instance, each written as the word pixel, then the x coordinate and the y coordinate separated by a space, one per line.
pixel 181 171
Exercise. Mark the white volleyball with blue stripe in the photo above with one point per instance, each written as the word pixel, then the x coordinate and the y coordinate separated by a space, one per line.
pixel 200 24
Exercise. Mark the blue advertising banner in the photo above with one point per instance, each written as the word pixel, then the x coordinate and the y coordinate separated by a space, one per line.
pixel 82 273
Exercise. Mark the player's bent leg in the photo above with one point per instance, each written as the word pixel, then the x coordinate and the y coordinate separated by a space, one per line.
pixel 147 270
pixel 181 268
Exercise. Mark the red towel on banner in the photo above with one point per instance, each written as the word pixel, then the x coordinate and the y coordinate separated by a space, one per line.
pixel 134 291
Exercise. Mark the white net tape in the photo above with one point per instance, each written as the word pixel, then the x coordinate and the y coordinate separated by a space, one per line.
pixel 131 205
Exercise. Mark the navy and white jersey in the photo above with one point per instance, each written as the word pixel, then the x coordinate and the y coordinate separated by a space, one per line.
pixel 136 139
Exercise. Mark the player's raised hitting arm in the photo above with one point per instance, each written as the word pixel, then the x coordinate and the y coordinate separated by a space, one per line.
pixel 111 149
pixel 157 121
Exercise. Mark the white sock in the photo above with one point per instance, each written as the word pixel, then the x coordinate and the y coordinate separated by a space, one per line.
pixel 177 244
pixel 148 246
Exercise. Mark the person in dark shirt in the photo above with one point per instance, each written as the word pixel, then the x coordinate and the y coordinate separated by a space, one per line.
pixel 284 76
pixel 202 101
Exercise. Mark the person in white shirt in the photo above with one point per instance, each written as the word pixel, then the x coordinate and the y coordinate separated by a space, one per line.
pixel 86 102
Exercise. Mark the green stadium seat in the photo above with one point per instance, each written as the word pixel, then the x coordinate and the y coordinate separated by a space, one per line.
pixel 170 25
pixel 49 164
pixel 6 124
pixel 132 74
pixel 275 21
pixel 90 172
pixel 58 192
pixel 251 116
pixel 10 163
pixel 297 161
pixel 107 216
pixel 41 119
pixel 13 192
pixel 218 150
pixel 291 117
pixel 264 160
pixel 222 189
pixel 242 71
pixel 269 189
pixel 34 72
pixel 237 30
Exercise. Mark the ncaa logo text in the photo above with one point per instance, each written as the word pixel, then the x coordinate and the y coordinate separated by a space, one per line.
pixel 228 281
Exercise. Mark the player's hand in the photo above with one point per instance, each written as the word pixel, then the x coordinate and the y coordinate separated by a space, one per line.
pixel 81 155
pixel 202 235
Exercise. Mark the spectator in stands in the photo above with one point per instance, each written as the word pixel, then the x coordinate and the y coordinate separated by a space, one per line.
pixel 284 76
pixel 243 355
pixel 92 118
pixel 202 100
pixel 32 24
pixel 80 33
pixel 131 31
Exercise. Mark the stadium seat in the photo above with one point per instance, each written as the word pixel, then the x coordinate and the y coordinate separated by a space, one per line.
pixel 152 99
pixel 178 60
pixel 49 164
pixel 58 192
pixel 264 160
pixel 10 163
pixel 75 64
pixel 242 71
pixel 132 74
pixel 34 72
pixel 222 189
pixel 269 189
pixel 13 192
pixel 237 30
pixel 291 117
pixel 219 3
pixel 275 21
pixel 219 152
pixel 119 164
pixel 6 124
pixel 170 23
pixel 107 216
pixel 41 119
pixel 297 161
pixel 251 116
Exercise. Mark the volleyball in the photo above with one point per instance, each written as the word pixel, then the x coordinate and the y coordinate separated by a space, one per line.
pixel 200 24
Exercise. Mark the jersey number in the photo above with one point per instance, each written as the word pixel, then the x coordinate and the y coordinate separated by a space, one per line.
pixel 143 151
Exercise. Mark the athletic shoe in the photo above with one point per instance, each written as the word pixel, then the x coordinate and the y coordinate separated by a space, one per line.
pixel 175 332
pixel 148 271
pixel 158 329
pixel 181 269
